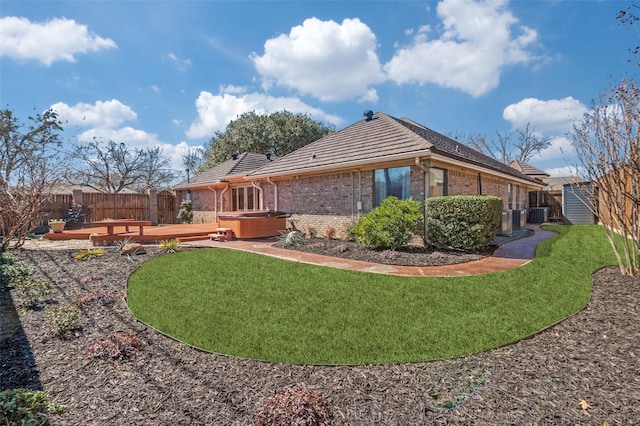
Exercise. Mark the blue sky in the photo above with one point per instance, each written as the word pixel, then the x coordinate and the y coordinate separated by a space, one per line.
pixel 172 73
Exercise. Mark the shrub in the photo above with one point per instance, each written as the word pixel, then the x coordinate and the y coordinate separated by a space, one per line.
pixel 290 239
pixel 310 232
pixel 294 406
pixel 389 226
pixel 97 297
pixel 329 233
pixel 85 254
pixel 18 275
pixel 466 222
pixel 27 407
pixel 77 215
pixel 64 318
pixel 30 291
pixel 116 346
pixel 169 246
pixel 185 214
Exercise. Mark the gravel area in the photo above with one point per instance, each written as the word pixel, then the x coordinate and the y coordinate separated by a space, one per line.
pixel 582 371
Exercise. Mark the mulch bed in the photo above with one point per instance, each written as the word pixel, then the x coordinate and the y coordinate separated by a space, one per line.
pixel 593 357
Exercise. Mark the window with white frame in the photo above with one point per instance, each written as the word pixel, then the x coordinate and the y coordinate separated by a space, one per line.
pixel 245 198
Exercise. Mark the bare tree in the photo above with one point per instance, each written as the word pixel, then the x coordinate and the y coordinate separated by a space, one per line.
pixel 112 167
pixel 628 17
pixel 607 143
pixel 194 159
pixel 505 149
pixel 30 168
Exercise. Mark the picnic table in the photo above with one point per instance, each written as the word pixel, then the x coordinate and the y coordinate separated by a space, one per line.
pixel 111 223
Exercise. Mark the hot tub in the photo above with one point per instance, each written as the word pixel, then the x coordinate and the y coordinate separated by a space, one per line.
pixel 254 224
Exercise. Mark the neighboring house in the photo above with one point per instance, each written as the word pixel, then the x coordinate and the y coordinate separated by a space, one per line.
pixel 336 179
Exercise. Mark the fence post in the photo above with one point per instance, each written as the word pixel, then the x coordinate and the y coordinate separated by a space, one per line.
pixel 153 206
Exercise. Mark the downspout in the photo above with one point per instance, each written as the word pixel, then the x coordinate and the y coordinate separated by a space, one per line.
pixel 226 188
pixel 256 185
pixel 275 193
pixel 215 201
pixel 426 194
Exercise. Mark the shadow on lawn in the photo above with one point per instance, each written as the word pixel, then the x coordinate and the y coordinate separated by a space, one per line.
pixel 19 369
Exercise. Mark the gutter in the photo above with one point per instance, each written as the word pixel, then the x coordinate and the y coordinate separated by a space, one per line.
pixel 275 193
pixel 256 185
pixel 226 188
pixel 215 201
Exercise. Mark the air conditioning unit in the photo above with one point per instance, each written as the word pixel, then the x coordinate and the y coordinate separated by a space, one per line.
pixel 538 214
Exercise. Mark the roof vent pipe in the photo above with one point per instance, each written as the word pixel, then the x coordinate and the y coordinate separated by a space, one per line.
pixel 234 157
pixel 268 154
pixel 368 115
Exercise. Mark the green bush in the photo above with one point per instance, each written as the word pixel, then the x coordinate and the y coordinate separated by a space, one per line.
pixel 27 407
pixel 185 214
pixel 465 222
pixel 64 318
pixel 389 226
pixel 18 275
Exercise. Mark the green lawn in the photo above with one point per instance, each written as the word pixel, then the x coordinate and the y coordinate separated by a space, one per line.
pixel 254 306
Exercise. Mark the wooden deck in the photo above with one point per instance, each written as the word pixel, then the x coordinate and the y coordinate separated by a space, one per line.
pixel 152 234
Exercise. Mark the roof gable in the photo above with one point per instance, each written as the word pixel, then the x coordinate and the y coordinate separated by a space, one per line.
pixel 527 169
pixel 242 165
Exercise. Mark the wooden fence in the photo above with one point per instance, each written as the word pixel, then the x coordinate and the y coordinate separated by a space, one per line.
pixel 156 207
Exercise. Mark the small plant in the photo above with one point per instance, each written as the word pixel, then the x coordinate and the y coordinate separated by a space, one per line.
pixel 329 233
pixel 64 318
pixel 89 278
pixel 97 297
pixel 388 254
pixel 18 275
pixel 116 346
pixel 77 215
pixel 290 239
pixel 310 232
pixel 30 291
pixel 294 406
pixel 27 407
pixel 118 245
pixel 169 246
pixel 185 214
pixel 341 248
pixel 85 254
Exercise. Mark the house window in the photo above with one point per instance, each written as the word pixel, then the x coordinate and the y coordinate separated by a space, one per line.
pixel 510 195
pixel 517 196
pixel 395 181
pixel 437 182
pixel 244 198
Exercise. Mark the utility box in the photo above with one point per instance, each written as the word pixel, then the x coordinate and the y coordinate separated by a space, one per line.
pixel 538 214
pixel 506 224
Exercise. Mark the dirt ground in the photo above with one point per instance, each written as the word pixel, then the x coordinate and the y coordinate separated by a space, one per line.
pixel 582 371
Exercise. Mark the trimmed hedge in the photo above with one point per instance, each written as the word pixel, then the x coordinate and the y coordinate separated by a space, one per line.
pixel 389 226
pixel 466 222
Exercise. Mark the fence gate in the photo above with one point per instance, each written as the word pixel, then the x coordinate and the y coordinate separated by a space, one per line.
pixel 166 207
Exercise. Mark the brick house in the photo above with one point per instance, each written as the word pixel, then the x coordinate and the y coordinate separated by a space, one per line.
pixel 336 179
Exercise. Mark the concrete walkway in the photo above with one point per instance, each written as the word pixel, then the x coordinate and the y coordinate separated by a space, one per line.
pixel 508 256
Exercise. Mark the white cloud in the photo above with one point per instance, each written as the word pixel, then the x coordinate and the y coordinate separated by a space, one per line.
pixel 475 44
pixel 101 114
pixel 216 111
pixel 59 39
pixel 323 59
pixel 560 148
pixel 555 115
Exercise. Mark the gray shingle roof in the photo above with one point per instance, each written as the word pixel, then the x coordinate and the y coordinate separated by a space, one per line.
pixel 241 166
pixel 527 169
pixel 375 141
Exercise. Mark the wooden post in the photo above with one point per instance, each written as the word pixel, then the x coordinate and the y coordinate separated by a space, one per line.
pixel 153 206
